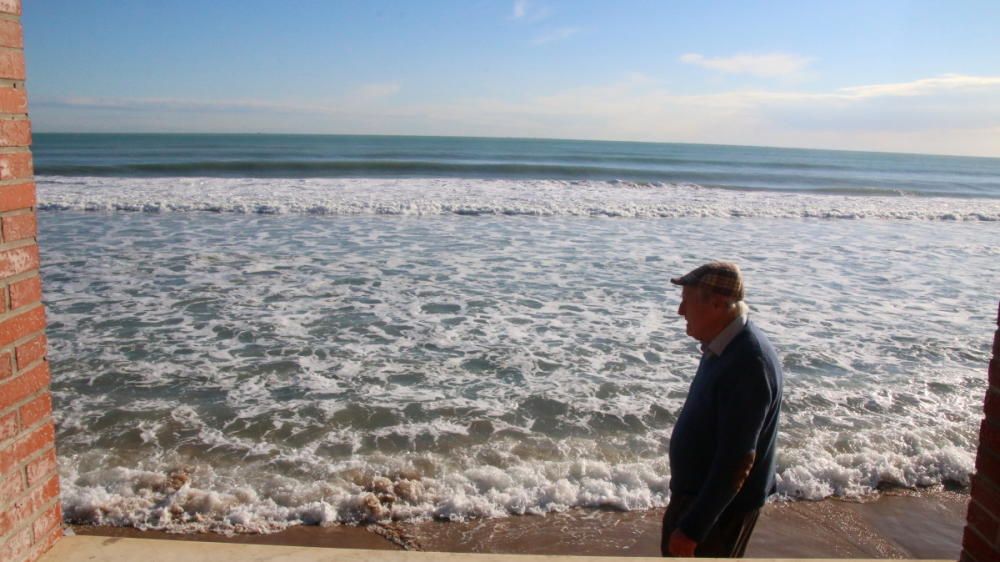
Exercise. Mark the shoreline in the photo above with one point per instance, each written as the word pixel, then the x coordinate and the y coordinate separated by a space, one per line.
pixel 893 524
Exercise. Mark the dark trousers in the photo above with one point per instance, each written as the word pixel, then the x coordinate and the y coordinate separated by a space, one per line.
pixel 727 539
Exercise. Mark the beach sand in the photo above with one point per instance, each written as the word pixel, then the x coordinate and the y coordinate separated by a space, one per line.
pixel 897 524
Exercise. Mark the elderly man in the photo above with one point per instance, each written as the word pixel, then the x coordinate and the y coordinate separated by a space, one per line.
pixel 723 446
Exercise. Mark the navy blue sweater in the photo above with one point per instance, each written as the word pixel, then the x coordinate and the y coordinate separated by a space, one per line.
pixel 731 409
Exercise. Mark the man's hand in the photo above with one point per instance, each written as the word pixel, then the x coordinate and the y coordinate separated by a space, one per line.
pixel 681 545
pixel 743 471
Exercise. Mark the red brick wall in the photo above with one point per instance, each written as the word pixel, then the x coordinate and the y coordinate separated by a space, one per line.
pixel 30 518
pixel 981 542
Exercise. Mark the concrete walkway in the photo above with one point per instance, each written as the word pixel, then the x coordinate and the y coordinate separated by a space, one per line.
pixel 110 549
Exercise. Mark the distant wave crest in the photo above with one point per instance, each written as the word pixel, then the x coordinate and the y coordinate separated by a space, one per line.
pixel 484 197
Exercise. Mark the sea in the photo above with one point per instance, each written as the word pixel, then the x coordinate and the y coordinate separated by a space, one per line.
pixel 249 332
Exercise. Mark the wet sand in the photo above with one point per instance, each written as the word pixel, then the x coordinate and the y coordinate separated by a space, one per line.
pixel 900 524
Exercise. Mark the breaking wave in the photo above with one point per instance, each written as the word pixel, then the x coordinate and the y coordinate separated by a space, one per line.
pixel 486 197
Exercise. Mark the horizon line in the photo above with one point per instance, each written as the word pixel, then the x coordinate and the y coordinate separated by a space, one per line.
pixel 551 139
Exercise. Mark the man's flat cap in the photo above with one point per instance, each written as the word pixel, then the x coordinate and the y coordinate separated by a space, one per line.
pixel 720 277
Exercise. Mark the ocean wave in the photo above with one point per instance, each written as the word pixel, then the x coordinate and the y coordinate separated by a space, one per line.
pixel 185 498
pixel 484 197
pixel 337 168
pixel 395 163
pixel 248 373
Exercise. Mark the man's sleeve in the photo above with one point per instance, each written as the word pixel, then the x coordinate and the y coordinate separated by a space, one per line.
pixel 744 397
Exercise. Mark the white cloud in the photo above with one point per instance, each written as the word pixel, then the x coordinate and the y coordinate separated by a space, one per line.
pixel 377 90
pixel 555 35
pixel 520 8
pixel 765 65
pixel 357 99
pixel 950 114
pixel 168 104
pixel 529 11
pixel 948 82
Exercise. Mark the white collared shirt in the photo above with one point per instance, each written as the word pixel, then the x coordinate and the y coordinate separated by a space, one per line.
pixel 721 341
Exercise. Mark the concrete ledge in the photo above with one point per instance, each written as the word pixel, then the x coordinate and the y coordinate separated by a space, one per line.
pixel 110 549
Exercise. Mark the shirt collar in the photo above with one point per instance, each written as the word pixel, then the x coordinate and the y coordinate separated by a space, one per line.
pixel 725 337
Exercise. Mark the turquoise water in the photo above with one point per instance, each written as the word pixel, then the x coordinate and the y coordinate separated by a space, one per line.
pixel 306 156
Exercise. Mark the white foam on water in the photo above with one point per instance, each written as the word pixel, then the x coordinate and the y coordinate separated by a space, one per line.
pixel 185 502
pixel 246 373
pixel 497 197
pixel 814 474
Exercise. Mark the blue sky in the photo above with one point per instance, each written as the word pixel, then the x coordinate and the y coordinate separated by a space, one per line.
pixel 886 75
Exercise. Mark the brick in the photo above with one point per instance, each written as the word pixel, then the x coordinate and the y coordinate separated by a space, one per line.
pixel 22 386
pixel 22 325
pixel 30 352
pixel 992 406
pixel 25 508
pixel 11 34
pixel 46 521
pixel 977 548
pixel 12 99
pixel 51 488
pixel 3 300
pixel 19 227
pixel 16 546
pixel 12 64
pixel 24 292
pixel 5 366
pixel 36 441
pixel 10 489
pixel 981 520
pixel 15 132
pixel 8 426
pixel 26 446
pixel 36 410
pixel 986 494
pixel 22 195
pixel 41 467
pixel 988 467
pixel 989 437
pixel 43 544
pixel 18 260
pixel 7 521
pixel 15 166
pixel 45 528
pixel 11 6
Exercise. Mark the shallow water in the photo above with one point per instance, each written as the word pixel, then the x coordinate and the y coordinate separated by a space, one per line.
pixel 247 372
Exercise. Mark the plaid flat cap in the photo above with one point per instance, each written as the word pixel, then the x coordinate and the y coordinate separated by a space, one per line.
pixel 720 277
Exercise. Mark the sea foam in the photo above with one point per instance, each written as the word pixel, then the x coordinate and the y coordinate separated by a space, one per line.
pixel 451 196
pixel 249 372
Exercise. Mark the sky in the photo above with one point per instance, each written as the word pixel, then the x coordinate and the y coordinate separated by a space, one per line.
pixel 887 75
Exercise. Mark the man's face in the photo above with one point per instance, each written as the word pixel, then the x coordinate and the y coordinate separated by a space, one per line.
pixel 701 315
